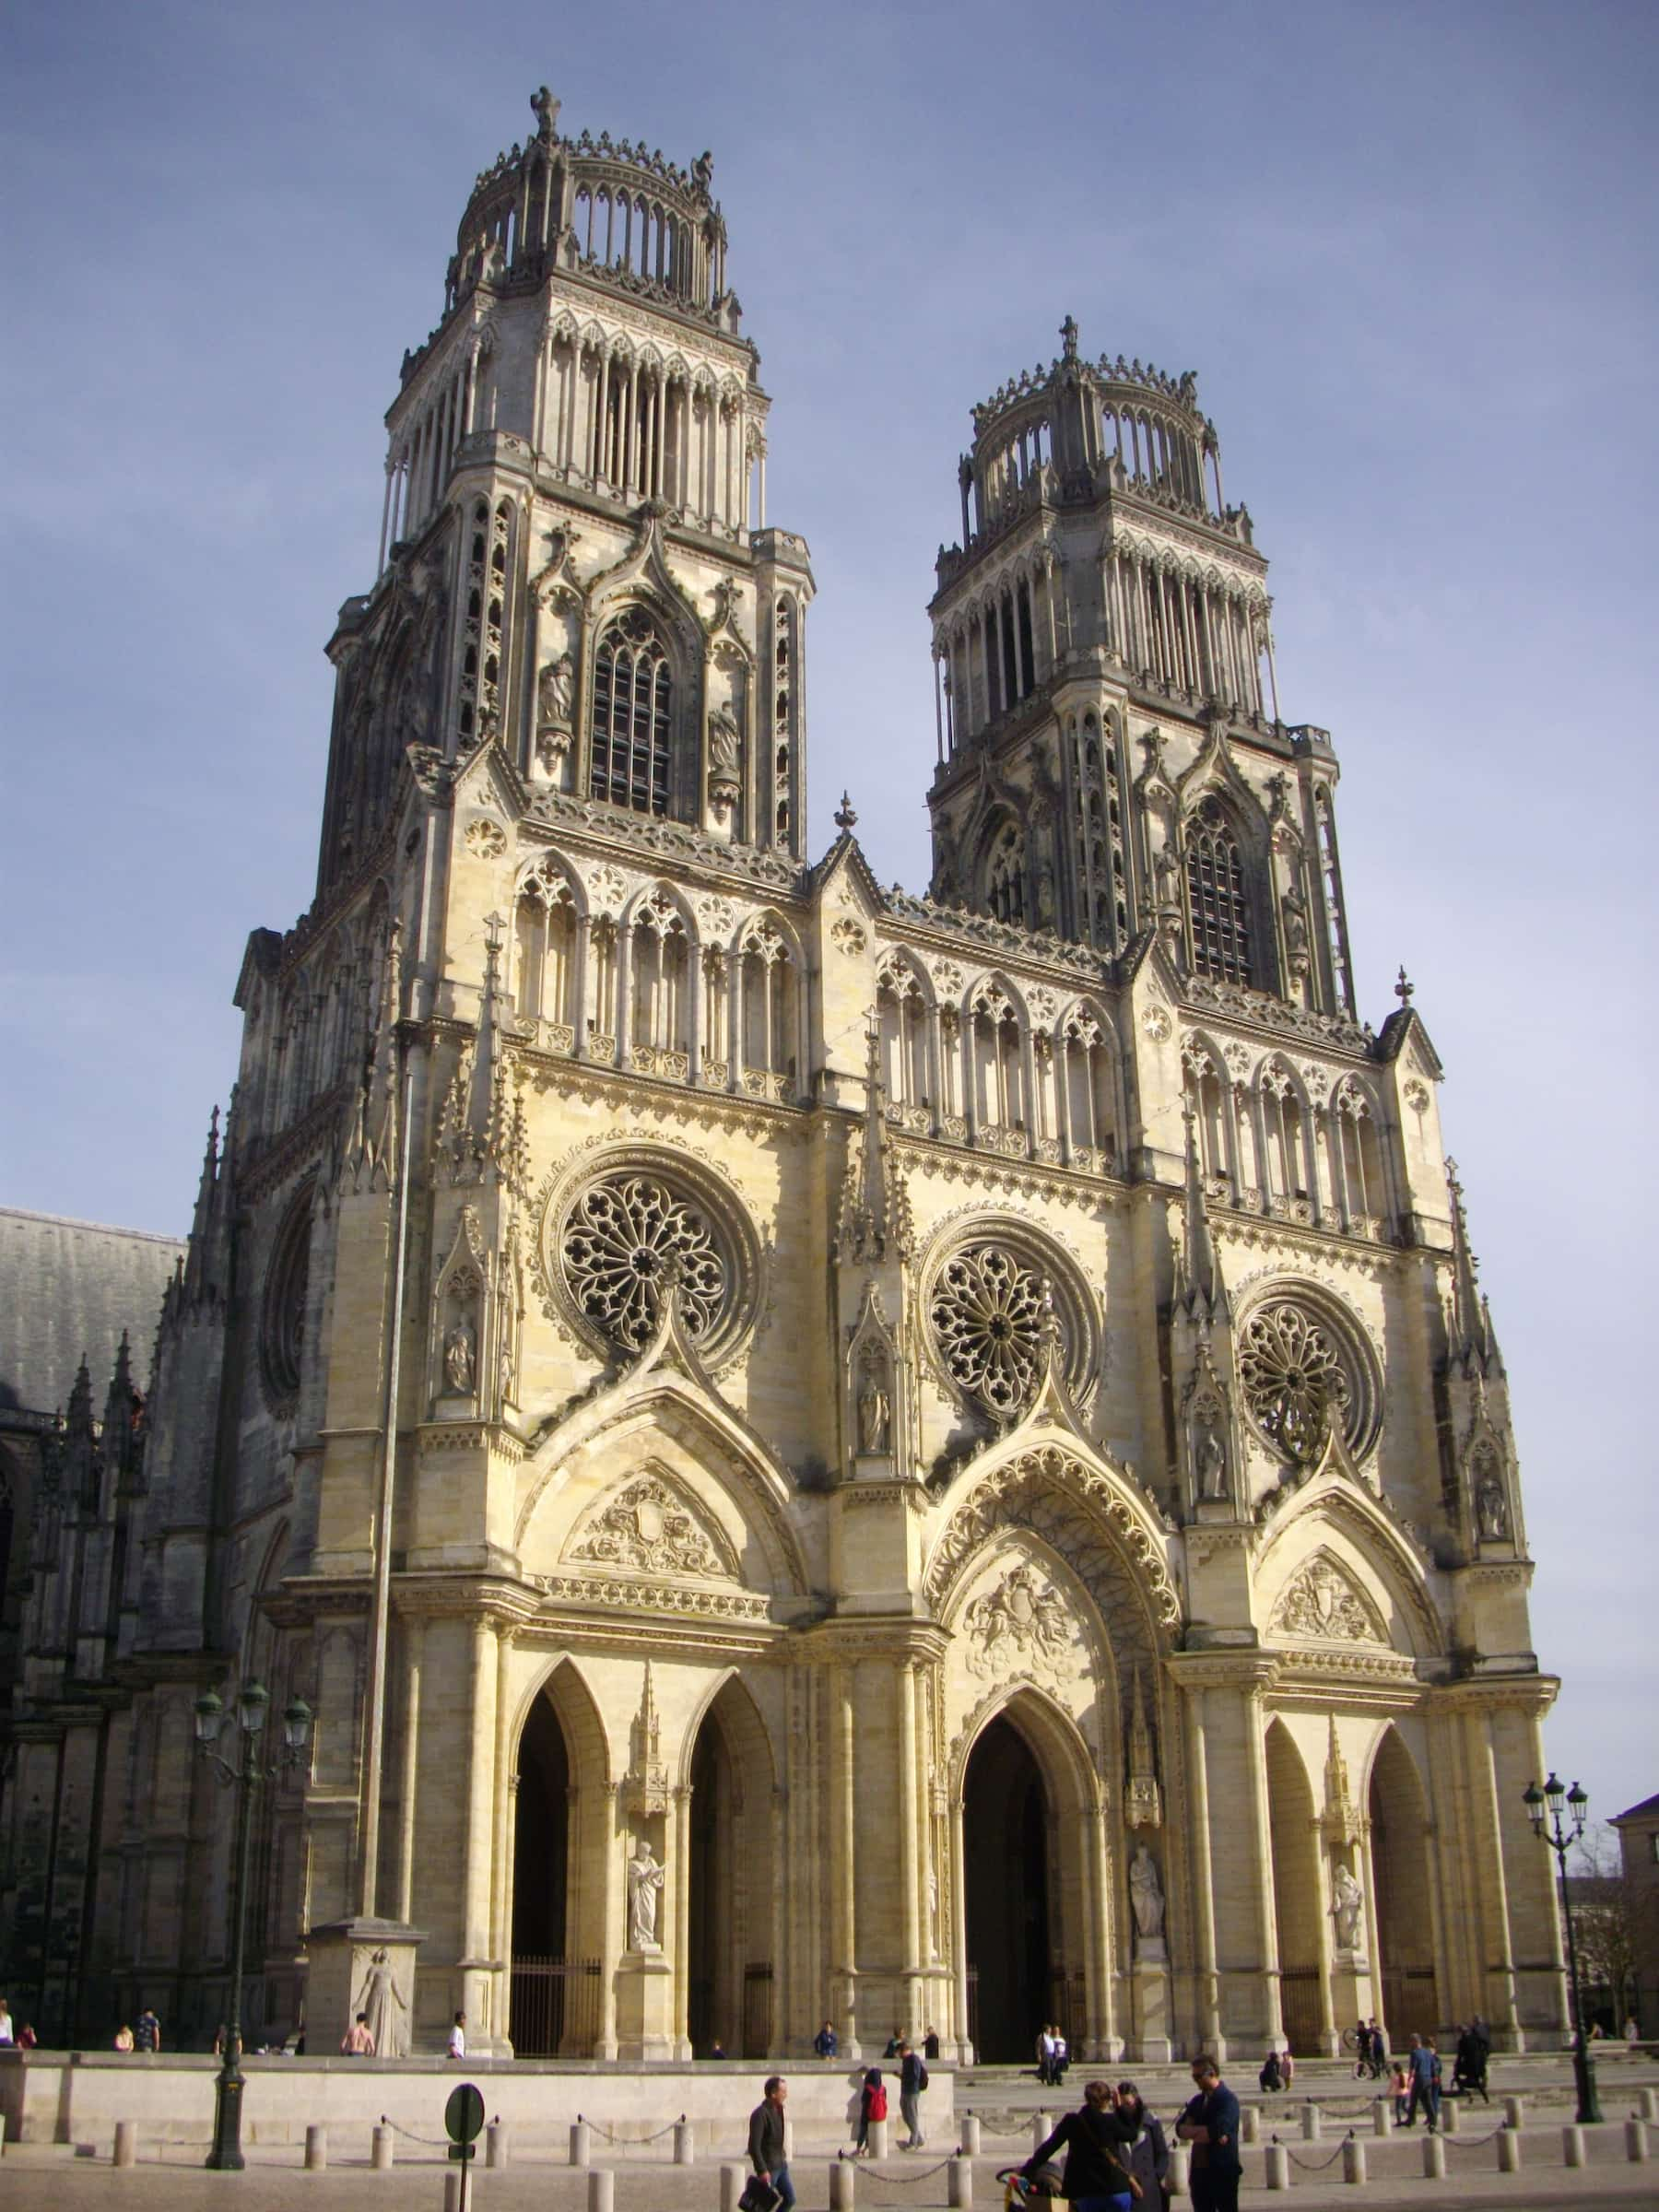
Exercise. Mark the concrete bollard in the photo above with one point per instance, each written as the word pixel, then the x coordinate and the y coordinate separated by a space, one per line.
pixel 1636 2142
pixel 1434 2158
pixel 579 2141
pixel 1647 2103
pixel 126 2142
pixel 1450 2114
pixel 497 2147
pixel 959 2182
pixel 878 2138
pixel 1311 2123
pixel 451 2190
pixel 1250 2124
pixel 685 2142
pixel 1180 2169
pixel 1514 2111
pixel 1278 2166
pixel 1509 2150
pixel 732 2180
pixel 970 2134
pixel 316 2148
pixel 841 2186
pixel 379 2153
pixel 1353 2160
pixel 601 2190
pixel 1381 2116
pixel 1572 2145
pixel 1043 2127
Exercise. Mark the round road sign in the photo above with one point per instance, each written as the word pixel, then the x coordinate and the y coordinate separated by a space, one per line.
pixel 463 2114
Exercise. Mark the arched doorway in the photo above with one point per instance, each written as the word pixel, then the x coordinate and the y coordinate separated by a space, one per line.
pixel 540 1861
pixel 1400 1873
pixel 729 1952
pixel 1006 1831
pixel 1304 2003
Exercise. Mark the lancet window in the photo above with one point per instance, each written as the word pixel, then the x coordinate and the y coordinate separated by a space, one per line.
pixel 1330 873
pixel 1359 1158
pixel 1206 1101
pixel 545 932
pixel 633 703
pixel 783 680
pixel 994 1039
pixel 901 1014
pixel 1284 1135
pixel 1089 1087
pixel 1005 876
pixel 768 985
pixel 1217 903
pixel 661 979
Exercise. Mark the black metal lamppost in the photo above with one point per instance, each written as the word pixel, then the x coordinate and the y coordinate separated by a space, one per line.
pixel 1561 1835
pixel 246 1773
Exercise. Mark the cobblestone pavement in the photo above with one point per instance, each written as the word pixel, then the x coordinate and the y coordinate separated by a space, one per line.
pixel 57 2180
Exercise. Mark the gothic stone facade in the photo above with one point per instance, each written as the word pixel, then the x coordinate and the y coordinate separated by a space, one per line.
pixel 932 1460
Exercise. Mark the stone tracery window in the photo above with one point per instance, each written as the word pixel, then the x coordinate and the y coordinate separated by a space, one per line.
pixel 547 946
pixel 1005 876
pixel 623 1238
pixel 1217 903
pixel 282 1317
pixel 633 708
pixel 1303 1374
pixel 987 1314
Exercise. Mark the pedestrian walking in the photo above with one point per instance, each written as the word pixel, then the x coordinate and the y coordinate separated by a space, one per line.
pixel 457 2036
pixel 1423 2072
pixel 1400 2089
pixel 1060 2058
pixel 766 2150
pixel 913 2085
pixel 1286 2066
pixel 1210 2124
pixel 1096 2139
pixel 872 2105
pixel 1149 2151
pixel 1045 2053
pixel 147 2036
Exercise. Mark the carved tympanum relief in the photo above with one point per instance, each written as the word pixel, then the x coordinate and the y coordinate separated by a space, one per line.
pixel 1023 1625
pixel 1319 1602
pixel 651 1528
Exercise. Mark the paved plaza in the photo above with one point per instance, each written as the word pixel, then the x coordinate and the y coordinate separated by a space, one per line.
pixel 170 2178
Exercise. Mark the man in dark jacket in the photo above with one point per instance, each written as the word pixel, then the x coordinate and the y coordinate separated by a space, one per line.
pixel 1096 2139
pixel 766 2141
pixel 826 2042
pixel 1210 2124
pixel 913 2080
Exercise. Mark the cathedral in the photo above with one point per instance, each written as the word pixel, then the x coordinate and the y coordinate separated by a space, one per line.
pixel 924 1460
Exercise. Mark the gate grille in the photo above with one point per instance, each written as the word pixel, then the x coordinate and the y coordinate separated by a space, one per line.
pixel 555 2007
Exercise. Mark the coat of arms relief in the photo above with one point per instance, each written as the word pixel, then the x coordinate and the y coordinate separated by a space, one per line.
pixel 1024 1625
pixel 652 1527
pixel 1319 1602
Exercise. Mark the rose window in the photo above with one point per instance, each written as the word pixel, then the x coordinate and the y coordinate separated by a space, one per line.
pixel 624 1239
pixel 988 1309
pixel 1302 1379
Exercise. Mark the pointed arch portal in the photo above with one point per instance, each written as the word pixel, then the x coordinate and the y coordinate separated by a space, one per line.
pixel 1399 1856
pixel 728 1949
pixel 557 1917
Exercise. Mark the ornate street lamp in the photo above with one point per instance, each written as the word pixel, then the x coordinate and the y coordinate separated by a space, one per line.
pixel 245 1772
pixel 1544 1809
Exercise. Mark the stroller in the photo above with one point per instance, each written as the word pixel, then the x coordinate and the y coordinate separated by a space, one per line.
pixel 1019 2188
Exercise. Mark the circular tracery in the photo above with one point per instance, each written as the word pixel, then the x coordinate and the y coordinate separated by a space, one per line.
pixel 1304 1375
pixel 624 1233
pixel 990 1298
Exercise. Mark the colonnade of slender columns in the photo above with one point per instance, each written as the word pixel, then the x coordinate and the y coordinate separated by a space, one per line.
pixel 1187 635
pixel 631 427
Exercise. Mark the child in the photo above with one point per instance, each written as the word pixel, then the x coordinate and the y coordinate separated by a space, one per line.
pixel 1400 2088
pixel 872 2105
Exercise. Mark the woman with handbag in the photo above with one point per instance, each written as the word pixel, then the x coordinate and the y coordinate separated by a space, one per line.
pixel 1096 2140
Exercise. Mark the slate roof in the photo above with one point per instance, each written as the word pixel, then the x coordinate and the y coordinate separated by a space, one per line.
pixel 69 1289
pixel 1646 1810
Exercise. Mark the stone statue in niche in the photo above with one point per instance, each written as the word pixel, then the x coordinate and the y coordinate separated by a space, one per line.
pixel 1147 1904
pixel 384 2002
pixel 1166 874
pixel 1348 1904
pixel 1296 932
pixel 645 1877
pixel 1045 893
pixel 460 1356
pixel 726 757
pixel 1491 1513
pixel 555 690
pixel 875 1409
pixel 1211 1460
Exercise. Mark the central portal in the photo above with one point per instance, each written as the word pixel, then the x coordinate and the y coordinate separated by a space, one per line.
pixel 1005 1823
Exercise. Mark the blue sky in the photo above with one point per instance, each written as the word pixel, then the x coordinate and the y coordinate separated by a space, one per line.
pixel 1409 251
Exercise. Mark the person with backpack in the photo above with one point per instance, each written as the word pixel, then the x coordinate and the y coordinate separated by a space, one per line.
pixel 912 2081
pixel 872 2105
pixel 147 2035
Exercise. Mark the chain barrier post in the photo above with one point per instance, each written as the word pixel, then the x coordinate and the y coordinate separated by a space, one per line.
pixel 1311 2123
pixel 1573 2145
pixel 1647 2103
pixel 316 2148
pixel 1434 2158
pixel 451 2190
pixel 970 2134
pixel 1636 2142
pixel 685 2142
pixel 380 2149
pixel 497 2146
pixel 580 2141
pixel 601 2190
pixel 879 2139
pixel 1043 2127
pixel 126 2142
pixel 1250 2124
pixel 1278 2166
pixel 1509 2150
pixel 1450 2114
pixel 1514 2111
pixel 732 2179
pixel 841 2186
pixel 1180 2169
pixel 1353 2160
pixel 958 2181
